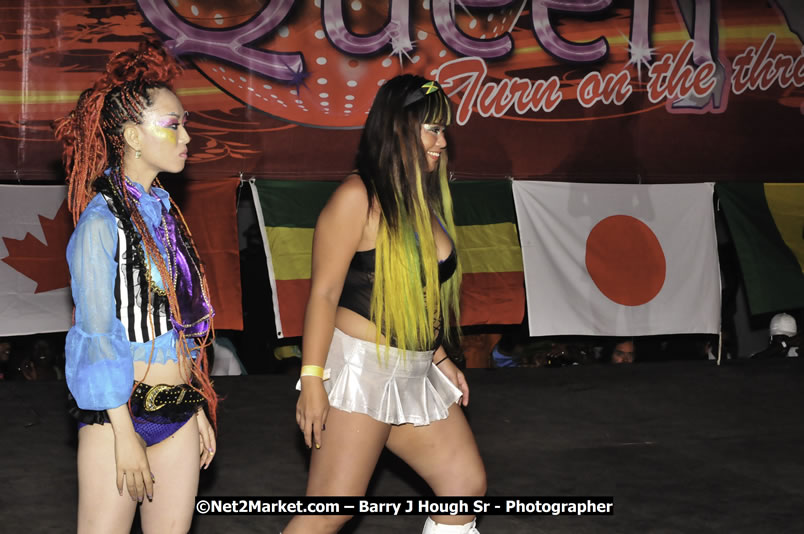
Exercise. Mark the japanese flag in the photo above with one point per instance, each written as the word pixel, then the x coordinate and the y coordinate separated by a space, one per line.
pixel 619 259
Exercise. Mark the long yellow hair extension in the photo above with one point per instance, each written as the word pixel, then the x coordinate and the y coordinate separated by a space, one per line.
pixel 408 303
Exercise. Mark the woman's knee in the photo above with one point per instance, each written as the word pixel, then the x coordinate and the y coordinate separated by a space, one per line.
pixel 475 482
pixel 467 481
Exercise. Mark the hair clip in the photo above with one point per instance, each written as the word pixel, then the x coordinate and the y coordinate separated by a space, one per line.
pixel 420 92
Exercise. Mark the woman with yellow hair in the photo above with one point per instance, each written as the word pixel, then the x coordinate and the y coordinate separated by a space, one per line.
pixel 385 288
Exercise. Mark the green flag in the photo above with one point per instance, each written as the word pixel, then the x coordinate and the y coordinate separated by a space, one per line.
pixel 767 224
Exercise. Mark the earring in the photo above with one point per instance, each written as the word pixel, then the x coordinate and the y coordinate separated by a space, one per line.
pixel 137 154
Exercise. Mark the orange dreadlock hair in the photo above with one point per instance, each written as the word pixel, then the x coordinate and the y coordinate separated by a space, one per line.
pixel 92 136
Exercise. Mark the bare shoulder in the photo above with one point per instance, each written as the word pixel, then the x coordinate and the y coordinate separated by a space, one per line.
pixel 339 229
pixel 352 191
pixel 350 200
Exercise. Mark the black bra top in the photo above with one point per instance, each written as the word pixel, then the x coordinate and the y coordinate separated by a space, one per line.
pixel 359 283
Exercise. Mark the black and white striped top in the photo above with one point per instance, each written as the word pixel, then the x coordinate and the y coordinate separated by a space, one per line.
pixel 131 296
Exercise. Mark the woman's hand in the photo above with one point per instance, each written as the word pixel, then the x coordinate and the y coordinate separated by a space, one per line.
pixel 456 377
pixel 312 409
pixel 132 465
pixel 206 439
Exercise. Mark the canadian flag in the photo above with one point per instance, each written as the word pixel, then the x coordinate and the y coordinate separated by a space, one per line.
pixel 619 259
pixel 35 226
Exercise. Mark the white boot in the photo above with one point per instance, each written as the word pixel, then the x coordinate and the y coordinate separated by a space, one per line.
pixel 431 527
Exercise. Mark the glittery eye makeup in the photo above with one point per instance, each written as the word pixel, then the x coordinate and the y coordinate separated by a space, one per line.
pixel 166 127
pixel 434 129
pixel 172 121
pixel 168 122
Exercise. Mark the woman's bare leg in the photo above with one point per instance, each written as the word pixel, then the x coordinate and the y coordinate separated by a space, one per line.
pixel 350 448
pixel 101 509
pixel 175 465
pixel 445 455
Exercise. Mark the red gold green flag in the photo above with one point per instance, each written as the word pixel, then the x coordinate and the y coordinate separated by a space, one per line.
pixel 488 246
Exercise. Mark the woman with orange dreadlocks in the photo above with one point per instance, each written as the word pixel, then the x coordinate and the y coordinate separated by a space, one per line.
pixel 385 285
pixel 136 366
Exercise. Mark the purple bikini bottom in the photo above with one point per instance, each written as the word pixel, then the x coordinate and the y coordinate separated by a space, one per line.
pixel 152 432
pixel 156 411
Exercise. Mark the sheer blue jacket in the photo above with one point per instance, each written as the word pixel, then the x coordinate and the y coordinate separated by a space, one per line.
pixel 99 355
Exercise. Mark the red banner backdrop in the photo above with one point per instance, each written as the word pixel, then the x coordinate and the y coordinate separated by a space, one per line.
pixel 576 90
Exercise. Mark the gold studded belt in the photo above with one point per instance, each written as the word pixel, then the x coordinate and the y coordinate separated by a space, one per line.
pixel 155 397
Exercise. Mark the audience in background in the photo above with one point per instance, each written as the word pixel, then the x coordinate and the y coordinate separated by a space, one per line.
pixel 582 350
pixel 36 357
pixel 33 357
pixel 784 339
pixel 623 351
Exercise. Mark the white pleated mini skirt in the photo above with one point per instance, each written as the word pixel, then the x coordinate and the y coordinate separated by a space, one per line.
pixel 395 388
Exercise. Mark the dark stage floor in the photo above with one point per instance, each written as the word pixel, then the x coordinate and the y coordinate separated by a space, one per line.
pixel 682 447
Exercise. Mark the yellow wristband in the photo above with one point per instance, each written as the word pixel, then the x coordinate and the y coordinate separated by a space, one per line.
pixel 312 370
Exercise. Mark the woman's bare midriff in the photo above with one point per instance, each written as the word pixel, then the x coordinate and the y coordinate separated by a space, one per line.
pixel 160 373
pixel 355 325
